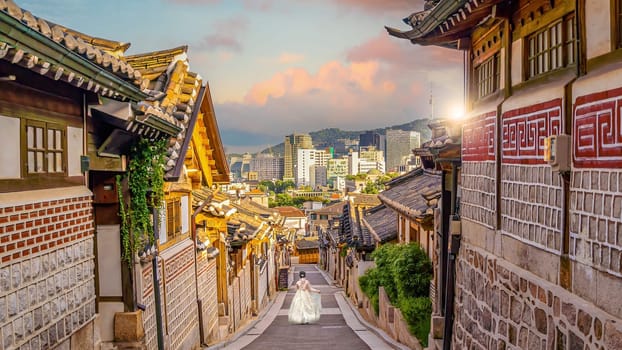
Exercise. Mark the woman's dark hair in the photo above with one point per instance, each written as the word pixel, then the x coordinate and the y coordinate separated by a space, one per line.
pixel 302 274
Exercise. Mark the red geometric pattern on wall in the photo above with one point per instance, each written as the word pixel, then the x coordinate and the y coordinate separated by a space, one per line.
pixel 524 131
pixel 597 129
pixel 478 138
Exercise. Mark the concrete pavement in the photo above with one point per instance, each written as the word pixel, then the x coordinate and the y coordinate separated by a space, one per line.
pixel 339 327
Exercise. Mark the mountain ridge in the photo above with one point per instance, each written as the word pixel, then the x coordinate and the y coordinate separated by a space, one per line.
pixel 324 137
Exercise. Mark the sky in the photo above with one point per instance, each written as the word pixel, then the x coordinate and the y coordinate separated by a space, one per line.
pixel 281 66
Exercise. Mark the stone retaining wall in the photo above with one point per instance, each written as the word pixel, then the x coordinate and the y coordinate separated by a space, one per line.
pixel 500 306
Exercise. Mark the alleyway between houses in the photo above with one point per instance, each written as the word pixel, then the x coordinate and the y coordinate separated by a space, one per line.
pixel 340 326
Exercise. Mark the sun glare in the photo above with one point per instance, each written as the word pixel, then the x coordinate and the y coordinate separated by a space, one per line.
pixel 457 112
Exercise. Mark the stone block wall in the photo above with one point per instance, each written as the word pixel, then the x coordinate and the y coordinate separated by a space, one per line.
pixel 531 205
pixel 47 277
pixel 479 177
pixel 208 293
pixel 479 199
pixel 148 299
pixel 246 301
pixel 596 219
pixel 182 318
pixel 500 306
pixel 531 194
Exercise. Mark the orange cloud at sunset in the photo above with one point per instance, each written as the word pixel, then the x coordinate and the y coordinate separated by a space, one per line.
pixel 334 77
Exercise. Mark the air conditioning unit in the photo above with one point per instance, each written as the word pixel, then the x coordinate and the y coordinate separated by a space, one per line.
pixel 557 152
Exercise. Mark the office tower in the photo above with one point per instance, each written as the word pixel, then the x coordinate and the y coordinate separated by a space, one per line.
pixel 371 138
pixel 268 167
pixel 294 142
pixel 400 143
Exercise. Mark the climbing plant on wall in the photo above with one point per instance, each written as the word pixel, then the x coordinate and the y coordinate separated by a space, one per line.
pixel 146 188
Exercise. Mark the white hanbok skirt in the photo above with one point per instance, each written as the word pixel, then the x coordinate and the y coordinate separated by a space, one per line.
pixel 305 307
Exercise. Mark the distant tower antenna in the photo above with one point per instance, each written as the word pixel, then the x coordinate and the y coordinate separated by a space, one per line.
pixel 431 102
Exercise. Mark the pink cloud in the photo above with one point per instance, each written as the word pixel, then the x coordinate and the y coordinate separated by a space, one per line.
pixel 343 83
pixel 404 7
pixel 401 53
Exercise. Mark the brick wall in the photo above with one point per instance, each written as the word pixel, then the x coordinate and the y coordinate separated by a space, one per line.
pixel 499 306
pixel 47 281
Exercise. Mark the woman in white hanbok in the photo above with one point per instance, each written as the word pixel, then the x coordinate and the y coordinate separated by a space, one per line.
pixel 306 304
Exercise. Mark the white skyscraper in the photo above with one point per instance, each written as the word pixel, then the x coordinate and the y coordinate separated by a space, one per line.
pixel 305 159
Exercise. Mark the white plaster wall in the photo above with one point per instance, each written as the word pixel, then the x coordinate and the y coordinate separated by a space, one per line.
pixel 547 90
pixel 516 62
pixel 598 27
pixel 75 146
pixel 109 261
pixel 185 217
pixel 9 134
pixel 602 79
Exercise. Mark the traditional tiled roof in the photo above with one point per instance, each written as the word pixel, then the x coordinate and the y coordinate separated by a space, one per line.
pixel 407 197
pixel 218 206
pixel 93 64
pixel 304 244
pixel 333 209
pixel 364 199
pixel 352 231
pixel 381 223
pixel 444 22
pixel 290 212
pixel 168 73
pixel 251 208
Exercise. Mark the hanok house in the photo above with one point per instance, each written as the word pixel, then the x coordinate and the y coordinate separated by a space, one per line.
pixel 411 198
pixel 51 75
pixel 248 274
pixel 213 209
pixel 539 262
pixel 307 250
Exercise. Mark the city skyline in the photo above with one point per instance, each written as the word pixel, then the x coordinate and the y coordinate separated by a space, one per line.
pixel 275 67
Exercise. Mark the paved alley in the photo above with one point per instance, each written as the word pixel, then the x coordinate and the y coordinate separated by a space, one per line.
pixel 338 328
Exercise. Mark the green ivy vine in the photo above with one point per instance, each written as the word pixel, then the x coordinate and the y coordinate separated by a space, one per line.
pixel 146 187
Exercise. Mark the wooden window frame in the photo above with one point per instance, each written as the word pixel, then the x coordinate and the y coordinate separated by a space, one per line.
pixel 173 218
pixel 488 76
pixel 47 149
pixel 551 48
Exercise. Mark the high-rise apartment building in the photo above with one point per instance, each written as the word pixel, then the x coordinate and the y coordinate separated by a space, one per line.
pixel 306 158
pixel 400 143
pixel 293 143
pixel 267 167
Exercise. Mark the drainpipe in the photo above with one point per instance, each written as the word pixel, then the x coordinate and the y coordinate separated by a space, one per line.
pixel 449 305
pixel 156 282
pixel 196 268
pixel 451 262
